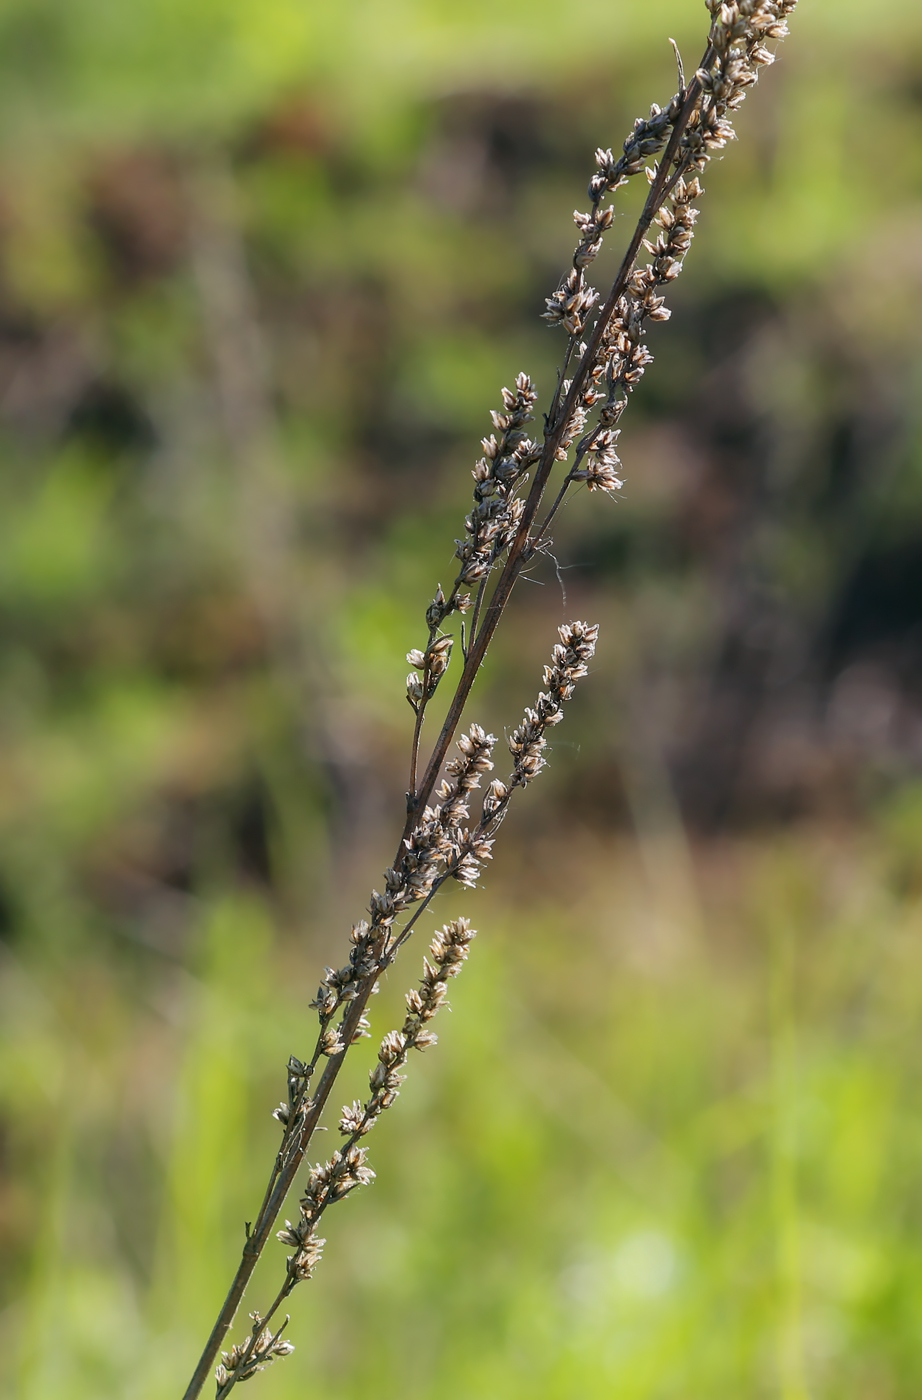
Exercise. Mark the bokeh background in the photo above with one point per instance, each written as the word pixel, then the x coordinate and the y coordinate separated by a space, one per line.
pixel 264 268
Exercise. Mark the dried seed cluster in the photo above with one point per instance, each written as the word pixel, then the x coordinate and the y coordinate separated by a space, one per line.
pixel 573 300
pixel 489 528
pixel 494 519
pixel 242 1362
pixel 648 138
pixel 447 953
pixel 737 51
pixel 570 660
pixel 438 845
pixel 439 842
pixel 347 1168
pixel 623 355
pixel 492 523
pixel 444 840
pixel 569 663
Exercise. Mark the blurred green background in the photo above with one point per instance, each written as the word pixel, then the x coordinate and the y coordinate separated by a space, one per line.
pixel 263 271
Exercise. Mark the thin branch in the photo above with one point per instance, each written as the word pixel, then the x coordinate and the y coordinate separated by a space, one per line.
pixel 475 615
pixel 414 752
pixel 434 849
pixel 519 552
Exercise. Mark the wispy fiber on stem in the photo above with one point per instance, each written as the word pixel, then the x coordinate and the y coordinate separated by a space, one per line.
pixel 604 359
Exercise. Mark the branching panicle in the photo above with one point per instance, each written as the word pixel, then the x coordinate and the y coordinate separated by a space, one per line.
pixel 347 1168
pixel 605 358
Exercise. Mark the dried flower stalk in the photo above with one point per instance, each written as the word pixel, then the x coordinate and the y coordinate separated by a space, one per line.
pixel 604 359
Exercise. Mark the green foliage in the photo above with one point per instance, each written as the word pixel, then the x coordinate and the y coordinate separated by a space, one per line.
pixel 679 1120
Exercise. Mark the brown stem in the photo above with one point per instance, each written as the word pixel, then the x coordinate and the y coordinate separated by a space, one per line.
pixel 520 551
pixel 561 376
pixel 257 1332
pixel 475 615
pixel 558 500
pixel 259 1236
pixel 414 753
pixel 284 1172
pixel 290 1279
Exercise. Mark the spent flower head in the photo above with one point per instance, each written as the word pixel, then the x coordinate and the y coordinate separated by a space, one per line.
pixel 603 359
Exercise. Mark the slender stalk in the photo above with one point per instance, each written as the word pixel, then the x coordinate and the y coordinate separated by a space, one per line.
pixel 284 1172
pixel 518 556
pixel 286 1288
pixel 520 551
pixel 414 754
pixel 433 845
pixel 284 1179
pixel 475 615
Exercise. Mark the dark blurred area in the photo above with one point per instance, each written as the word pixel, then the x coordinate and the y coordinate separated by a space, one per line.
pixel 257 371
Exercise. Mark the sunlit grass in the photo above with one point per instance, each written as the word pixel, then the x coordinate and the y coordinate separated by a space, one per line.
pixel 651 1156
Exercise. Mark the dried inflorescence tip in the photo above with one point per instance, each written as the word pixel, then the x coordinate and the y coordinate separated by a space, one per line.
pixel 615 364
pixel 571 303
pixel 433 663
pixel 507 455
pixel 736 52
pixel 570 659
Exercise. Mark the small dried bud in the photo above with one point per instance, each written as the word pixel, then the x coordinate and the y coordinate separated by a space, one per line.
pixel 325 1002
pixel 382 907
pixel 308 1257
pixel 330 1043
pixel 290 1236
pixel 436 609
pixel 353 1119
pixel 392 1049
pixel 494 799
